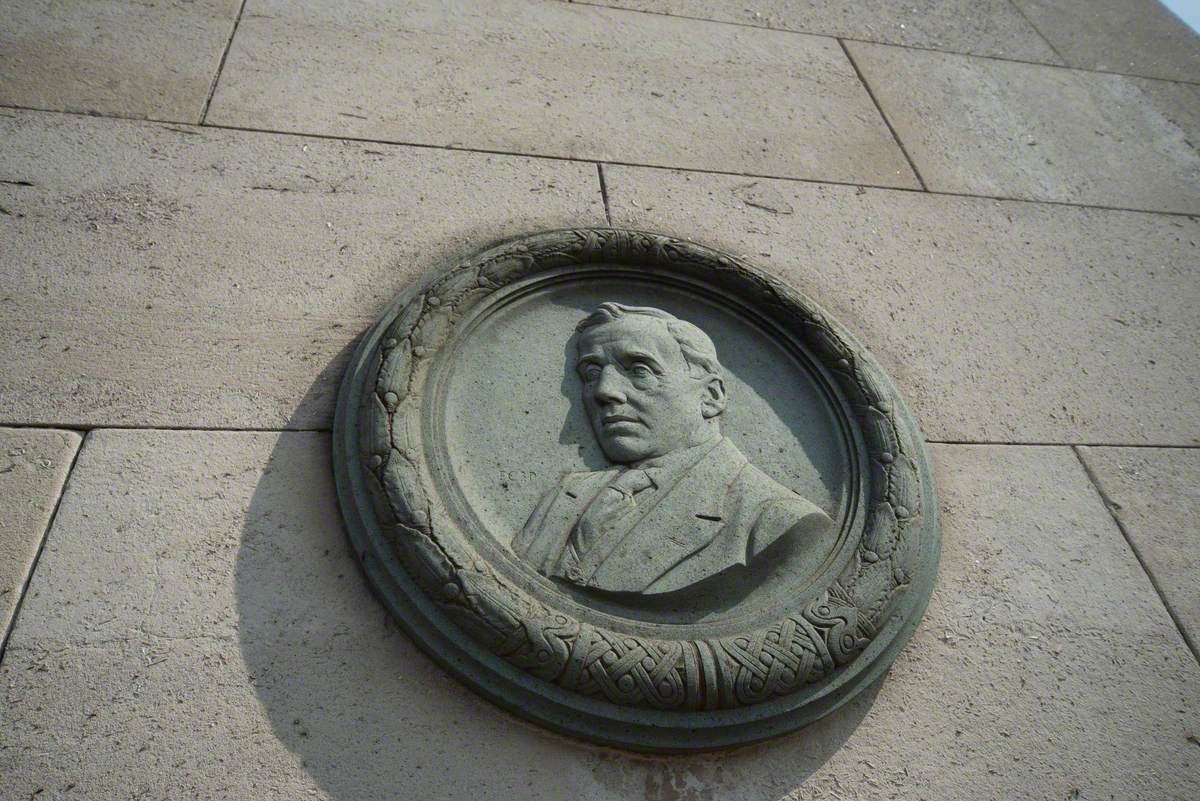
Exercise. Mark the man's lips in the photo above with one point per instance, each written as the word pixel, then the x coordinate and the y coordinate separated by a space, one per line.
pixel 613 419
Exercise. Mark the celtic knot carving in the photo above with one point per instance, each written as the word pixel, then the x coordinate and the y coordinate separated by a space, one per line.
pixel 803 648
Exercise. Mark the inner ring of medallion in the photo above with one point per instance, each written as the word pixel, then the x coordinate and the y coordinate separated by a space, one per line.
pixel 643 451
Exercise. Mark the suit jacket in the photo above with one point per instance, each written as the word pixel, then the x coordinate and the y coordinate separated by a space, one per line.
pixel 720 512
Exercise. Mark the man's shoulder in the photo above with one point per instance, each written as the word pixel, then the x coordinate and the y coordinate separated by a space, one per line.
pixel 763 510
pixel 753 483
pixel 746 487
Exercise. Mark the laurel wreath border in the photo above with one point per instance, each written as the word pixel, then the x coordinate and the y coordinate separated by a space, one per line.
pixel 797 651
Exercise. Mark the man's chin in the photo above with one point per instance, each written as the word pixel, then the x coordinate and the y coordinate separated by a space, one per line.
pixel 624 450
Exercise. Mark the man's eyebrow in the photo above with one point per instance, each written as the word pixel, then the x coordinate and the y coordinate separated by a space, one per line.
pixel 588 358
pixel 640 355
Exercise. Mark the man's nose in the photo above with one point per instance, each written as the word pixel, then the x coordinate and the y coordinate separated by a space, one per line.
pixel 609 386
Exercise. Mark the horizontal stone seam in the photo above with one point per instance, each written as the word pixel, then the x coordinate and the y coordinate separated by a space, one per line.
pixel 167 124
pixel 84 428
pixel 1110 506
pixel 1066 444
pixel 63 645
pixel 1007 59
pixel 1037 630
pixel 697 170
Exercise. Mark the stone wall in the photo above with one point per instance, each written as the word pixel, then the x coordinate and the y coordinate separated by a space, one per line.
pixel 204 203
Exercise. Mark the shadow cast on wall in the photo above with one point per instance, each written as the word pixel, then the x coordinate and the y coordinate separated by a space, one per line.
pixel 370 716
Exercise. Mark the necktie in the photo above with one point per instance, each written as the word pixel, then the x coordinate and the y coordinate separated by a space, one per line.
pixel 612 511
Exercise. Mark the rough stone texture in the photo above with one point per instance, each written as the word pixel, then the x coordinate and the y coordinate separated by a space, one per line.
pixel 1155 493
pixel 197 628
pixel 154 59
pixel 980 27
pixel 562 80
pixel 1140 37
pixel 155 275
pixel 1000 321
pixel 35 464
pixel 1001 128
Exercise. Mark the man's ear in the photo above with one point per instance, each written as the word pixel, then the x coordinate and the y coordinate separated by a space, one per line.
pixel 713 402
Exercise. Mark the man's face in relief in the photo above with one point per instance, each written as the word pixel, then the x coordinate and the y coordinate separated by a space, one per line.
pixel 639 391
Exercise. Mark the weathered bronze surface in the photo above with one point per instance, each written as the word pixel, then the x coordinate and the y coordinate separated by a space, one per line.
pixel 633 489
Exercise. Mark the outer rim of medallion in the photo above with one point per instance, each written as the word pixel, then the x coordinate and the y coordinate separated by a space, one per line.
pixel 542 663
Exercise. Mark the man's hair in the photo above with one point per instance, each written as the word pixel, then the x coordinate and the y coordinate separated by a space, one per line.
pixel 698 350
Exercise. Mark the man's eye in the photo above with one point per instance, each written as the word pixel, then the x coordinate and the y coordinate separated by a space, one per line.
pixel 641 369
pixel 591 373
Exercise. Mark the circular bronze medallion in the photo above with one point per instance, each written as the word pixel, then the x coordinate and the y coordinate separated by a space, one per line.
pixel 635 490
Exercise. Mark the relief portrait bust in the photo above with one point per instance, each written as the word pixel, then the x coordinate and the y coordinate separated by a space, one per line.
pixel 680 504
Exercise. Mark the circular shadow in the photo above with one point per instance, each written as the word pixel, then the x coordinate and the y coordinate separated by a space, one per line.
pixel 369 716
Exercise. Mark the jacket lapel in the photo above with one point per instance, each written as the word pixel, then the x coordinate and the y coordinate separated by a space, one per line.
pixel 543 540
pixel 683 519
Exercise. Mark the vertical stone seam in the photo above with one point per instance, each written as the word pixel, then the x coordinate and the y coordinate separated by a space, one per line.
pixel 212 89
pixel 604 192
pixel 1038 31
pixel 1111 507
pixel 862 79
pixel 16 613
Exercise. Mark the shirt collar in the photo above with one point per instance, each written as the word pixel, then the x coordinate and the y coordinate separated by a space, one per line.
pixel 675 461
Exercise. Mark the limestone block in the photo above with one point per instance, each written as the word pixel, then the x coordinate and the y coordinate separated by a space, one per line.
pixel 1155 493
pixel 1000 128
pixel 555 79
pixel 35 465
pixel 155 60
pixel 982 27
pixel 1139 37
